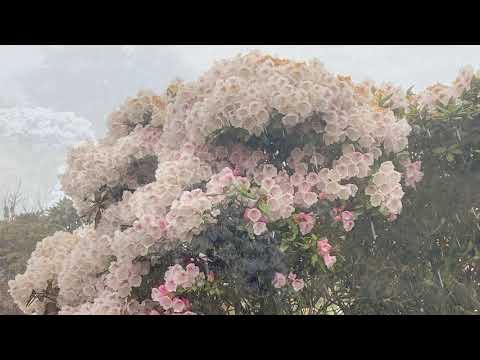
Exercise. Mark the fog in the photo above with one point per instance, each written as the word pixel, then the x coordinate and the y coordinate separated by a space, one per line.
pixel 55 96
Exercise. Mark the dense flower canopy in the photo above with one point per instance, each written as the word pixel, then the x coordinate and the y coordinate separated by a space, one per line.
pixel 240 188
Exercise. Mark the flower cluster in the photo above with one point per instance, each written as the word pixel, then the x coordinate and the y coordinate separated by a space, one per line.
pixel 323 249
pixel 345 217
pixel 280 280
pixel 45 264
pixel 177 278
pixel 386 190
pixel 306 222
pixel 413 173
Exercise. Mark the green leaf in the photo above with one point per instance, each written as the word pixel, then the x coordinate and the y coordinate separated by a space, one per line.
pixel 439 150
pixel 450 157
pixel 284 247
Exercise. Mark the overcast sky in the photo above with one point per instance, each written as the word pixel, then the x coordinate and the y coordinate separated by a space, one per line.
pixel 418 65
pixel 404 64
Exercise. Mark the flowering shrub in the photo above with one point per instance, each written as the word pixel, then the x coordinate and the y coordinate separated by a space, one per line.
pixel 256 189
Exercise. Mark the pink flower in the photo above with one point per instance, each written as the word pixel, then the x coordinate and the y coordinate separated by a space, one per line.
pixel 254 215
pixel 296 179
pixel 159 292
pixel 210 276
pixel 245 216
pixel 392 217
pixel 329 260
pixel 304 187
pixel 279 281
pixel 306 227
pixel 312 178
pixel 153 312
pixel 338 218
pixel 181 277
pixel 273 204
pixel 413 174
pixel 259 228
pixel 171 286
pixel 322 196
pixel 269 171
pixel 310 198
pixel 137 226
pixel 292 276
pixel 193 270
pixel 165 302
pixel 267 184
pixel 178 305
pixel 156 295
pixel 348 225
pixel 347 216
pixel 298 284
pixel 323 247
pixel 305 222
pixel 161 224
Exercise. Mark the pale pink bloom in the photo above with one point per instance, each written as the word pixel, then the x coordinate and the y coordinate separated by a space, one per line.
pixel 310 198
pixel 276 191
pixel 413 174
pixel 153 312
pixel 338 218
pixel 304 187
pixel 269 171
pixel 259 228
pixel 245 216
pixel 279 281
pixel 181 277
pixel 292 276
pixel 298 284
pixel 254 215
pixel 305 227
pixel 322 196
pixel 302 217
pixel 347 216
pixel 312 179
pixel 267 184
pixel 323 247
pixel 211 276
pixel 348 225
pixel 178 305
pixel 296 179
pixel 273 204
pixel 137 226
pixel 189 313
pixel 171 286
pixel 162 224
pixel 329 260
pixel 165 302
pixel 193 270
pixel 159 292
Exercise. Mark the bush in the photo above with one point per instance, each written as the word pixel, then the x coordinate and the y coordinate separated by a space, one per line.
pixel 272 187
pixel 19 238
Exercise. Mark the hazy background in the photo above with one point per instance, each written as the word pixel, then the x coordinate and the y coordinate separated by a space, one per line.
pixel 54 96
